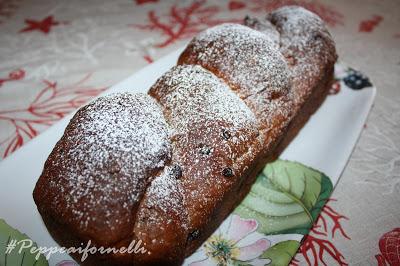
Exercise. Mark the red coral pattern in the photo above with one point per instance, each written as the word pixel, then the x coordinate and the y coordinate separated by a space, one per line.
pixel 12 76
pixel 178 22
pixel 141 2
pixel 389 245
pixel 330 15
pixel 369 25
pixel 317 244
pixel 148 58
pixel 182 22
pixel 236 5
pixel 51 104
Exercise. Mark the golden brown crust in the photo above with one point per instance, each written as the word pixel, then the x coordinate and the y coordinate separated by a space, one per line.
pixel 168 168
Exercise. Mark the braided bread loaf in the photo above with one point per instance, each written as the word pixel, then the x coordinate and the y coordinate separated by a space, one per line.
pixel 168 167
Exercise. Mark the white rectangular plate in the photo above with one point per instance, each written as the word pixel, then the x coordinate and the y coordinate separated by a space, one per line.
pixel 325 143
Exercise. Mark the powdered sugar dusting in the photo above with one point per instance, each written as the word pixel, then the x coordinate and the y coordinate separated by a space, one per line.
pixel 300 29
pixel 107 155
pixel 252 64
pixel 210 99
pixel 178 158
pixel 306 44
pixel 243 57
pixel 213 131
pixel 164 191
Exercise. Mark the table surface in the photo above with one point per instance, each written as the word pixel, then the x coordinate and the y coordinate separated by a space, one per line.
pixel 57 55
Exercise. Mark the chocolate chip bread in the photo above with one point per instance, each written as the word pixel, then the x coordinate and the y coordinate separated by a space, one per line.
pixel 167 167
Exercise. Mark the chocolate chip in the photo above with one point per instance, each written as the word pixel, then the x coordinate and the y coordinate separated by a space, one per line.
pixel 317 37
pixel 177 171
pixel 226 134
pixel 193 235
pixel 275 95
pixel 114 168
pixel 227 172
pixel 205 150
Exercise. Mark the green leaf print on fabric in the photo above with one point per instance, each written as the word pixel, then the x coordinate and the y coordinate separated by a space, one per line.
pixel 286 198
pixel 281 253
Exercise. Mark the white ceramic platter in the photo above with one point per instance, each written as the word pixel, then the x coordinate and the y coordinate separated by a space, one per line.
pixel 325 143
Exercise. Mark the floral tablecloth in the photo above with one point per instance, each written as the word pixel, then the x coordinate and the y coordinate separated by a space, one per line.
pixel 57 55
